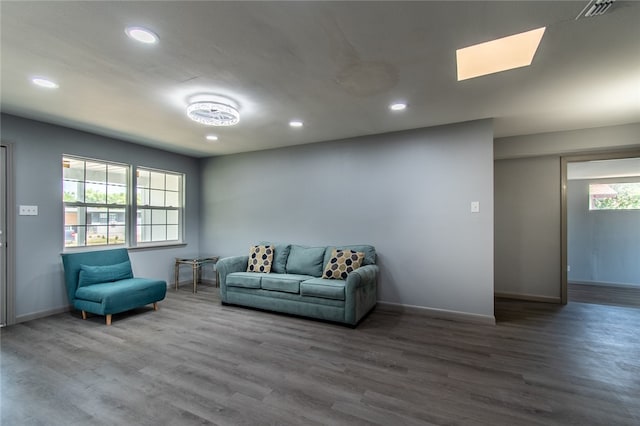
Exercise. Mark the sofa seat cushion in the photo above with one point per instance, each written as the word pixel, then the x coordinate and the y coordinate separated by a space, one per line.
pixel 289 283
pixel 244 279
pixel 327 289
pixel 123 289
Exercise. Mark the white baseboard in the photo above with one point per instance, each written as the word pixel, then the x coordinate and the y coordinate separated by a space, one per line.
pixel 439 313
pixel 42 314
pixel 529 297
pixel 605 284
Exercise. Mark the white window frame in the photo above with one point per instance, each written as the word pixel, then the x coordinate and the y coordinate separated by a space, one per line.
pixel 83 223
pixel 156 208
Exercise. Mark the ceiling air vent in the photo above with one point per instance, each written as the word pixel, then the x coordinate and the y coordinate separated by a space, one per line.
pixel 595 8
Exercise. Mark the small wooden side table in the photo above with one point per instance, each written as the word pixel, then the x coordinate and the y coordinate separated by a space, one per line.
pixel 196 267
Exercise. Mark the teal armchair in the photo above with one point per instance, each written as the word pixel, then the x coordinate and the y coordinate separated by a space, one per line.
pixel 102 283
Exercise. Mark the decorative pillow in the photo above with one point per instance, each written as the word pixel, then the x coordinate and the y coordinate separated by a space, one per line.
pixel 280 255
pixel 342 263
pixel 260 259
pixel 90 274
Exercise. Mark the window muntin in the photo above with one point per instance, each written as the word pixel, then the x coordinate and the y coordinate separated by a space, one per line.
pixel 95 198
pixel 159 196
pixel 614 196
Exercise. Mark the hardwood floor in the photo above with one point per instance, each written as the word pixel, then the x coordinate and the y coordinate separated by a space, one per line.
pixel 604 294
pixel 197 362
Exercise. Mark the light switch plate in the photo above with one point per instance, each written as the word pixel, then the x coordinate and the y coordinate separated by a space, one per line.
pixel 28 211
pixel 475 207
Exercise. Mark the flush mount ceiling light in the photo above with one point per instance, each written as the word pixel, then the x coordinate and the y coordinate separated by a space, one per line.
pixel 43 82
pixel 212 138
pixel 502 54
pixel 213 114
pixel 296 123
pixel 142 35
pixel 397 106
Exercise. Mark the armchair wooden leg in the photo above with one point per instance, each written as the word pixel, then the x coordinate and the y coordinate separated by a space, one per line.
pixel 155 306
pixel 84 315
pixel 108 319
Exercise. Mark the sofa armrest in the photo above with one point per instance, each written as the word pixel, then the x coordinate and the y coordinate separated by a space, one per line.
pixel 361 293
pixel 225 267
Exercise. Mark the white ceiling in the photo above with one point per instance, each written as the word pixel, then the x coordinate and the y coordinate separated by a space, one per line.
pixel 335 65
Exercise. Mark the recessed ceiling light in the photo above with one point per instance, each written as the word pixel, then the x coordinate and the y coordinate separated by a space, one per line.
pixel 212 138
pixel 397 107
pixel 43 82
pixel 503 54
pixel 296 123
pixel 142 35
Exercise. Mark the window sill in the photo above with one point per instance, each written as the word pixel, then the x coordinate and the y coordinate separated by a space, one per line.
pixel 157 246
pixel 136 248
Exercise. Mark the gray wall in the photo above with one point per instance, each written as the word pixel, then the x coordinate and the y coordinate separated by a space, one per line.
pixel 569 142
pixel 532 162
pixel 407 193
pixel 38 150
pixel 527 227
pixel 603 245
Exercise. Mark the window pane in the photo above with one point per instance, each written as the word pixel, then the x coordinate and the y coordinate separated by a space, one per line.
pixel 158 233
pixel 157 198
pixel 143 233
pixel 72 169
pixel 144 217
pixel 117 234
pixel 96 172
pixel 173 182
pixel 172 199
pixel 73 191
pixel 157 180
pixel 117 174
pixel 117 194
pixel 96 235
pixel 74 216
pixel 143 197
pixel 172 232
pixel 97 216
pixel 159 217
pixel 95 193
pixel 172 217
pixel 614 196
pixel 143 178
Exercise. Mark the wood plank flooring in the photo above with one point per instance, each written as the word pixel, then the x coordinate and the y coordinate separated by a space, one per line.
pixel 604 294
pixel 195 362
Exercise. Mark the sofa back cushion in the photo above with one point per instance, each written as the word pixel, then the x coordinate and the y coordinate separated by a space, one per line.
pixel 91 274
pixel 72 262
pixel 369 253
pixel 306 260
pixel 280 255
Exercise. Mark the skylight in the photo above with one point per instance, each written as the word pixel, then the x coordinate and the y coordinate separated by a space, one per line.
pixel 498 55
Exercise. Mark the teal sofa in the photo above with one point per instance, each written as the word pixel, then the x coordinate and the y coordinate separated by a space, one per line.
pixel 102 283
pixel 294 285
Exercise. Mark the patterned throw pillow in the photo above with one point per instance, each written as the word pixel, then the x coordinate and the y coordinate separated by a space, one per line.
pixel 342 263
pixel 260 259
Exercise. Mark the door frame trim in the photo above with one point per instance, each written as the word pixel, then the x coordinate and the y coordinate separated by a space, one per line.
pixel 564 161
pixel 10 237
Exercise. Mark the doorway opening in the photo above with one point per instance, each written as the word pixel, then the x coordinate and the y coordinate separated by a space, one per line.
pixel 601 229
